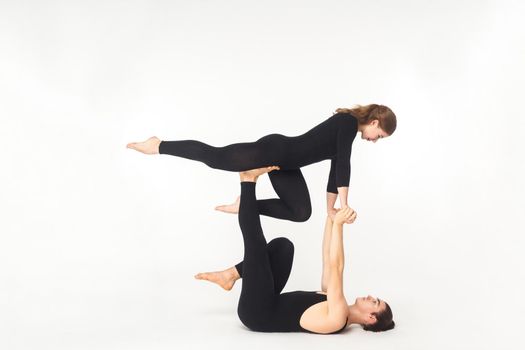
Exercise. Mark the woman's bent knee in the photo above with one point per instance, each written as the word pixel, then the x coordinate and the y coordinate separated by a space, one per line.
pixel 302 214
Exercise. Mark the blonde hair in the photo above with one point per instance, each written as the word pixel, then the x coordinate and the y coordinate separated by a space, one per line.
pixel 365 114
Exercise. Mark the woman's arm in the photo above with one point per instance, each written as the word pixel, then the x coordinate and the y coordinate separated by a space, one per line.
pixel 337 306
pixel 326 253
pixel 327 318
pixel 331 198
pixel 343 196
pixel 345 137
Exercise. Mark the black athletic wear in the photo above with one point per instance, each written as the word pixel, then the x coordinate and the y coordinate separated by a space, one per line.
pixel 264 271
pixel 332 139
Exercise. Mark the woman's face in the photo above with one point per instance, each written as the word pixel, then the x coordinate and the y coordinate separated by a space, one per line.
pixel 373 132
pixel 370 304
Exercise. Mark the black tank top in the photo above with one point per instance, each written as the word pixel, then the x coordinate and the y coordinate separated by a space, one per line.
pixel 289 308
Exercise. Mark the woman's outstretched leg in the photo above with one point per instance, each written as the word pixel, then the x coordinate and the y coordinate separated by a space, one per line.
pixel 257 294
pixel 235 157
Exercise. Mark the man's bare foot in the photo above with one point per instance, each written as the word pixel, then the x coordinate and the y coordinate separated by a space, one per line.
pixel 230 208
pixel 224 279
pixel 252 175
pixel 150 146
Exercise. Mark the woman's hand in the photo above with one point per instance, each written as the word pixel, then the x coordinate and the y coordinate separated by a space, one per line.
pixel 345 215
pixel 331 213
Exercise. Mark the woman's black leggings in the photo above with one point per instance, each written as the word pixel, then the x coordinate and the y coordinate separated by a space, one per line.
pixel 265 268
pixel 280 253
pixel 294 199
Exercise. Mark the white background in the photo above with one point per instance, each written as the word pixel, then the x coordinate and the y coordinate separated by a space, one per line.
pixel 99 244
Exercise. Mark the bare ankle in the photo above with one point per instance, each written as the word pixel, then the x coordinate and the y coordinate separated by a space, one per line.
pixel 247 178
pixel 233 274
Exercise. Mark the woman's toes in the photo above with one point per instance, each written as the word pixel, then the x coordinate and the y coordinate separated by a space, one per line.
pixel 201 276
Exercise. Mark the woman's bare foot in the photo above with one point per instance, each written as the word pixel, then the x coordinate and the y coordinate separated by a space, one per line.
pixel 224 279
pixel 252 175
pixel 230 208
pixel 249 175
pixel 150 146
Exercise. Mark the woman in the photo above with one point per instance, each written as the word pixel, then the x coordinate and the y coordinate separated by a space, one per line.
pixel 265 270
pixel 332 139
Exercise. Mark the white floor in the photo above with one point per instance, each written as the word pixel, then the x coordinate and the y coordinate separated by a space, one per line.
pixel 164 311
